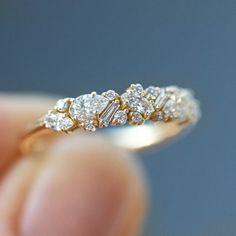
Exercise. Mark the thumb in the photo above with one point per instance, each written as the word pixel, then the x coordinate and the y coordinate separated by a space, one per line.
pixel 85 186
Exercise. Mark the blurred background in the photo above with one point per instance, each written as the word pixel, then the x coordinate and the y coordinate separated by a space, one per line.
pixel 74 47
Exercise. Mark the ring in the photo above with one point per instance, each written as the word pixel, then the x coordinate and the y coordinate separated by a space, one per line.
pixel 166 112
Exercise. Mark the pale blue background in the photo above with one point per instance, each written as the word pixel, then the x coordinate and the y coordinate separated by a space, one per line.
pixel 72 47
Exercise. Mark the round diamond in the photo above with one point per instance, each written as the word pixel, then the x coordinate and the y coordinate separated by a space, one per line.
pixel 135 99
pixel 152 92
pixel 58 121
pixel 136 89
pixel 138 104
pixel 65 123
pixel 62 105
pixel 190 107
pixel 50 121
pixel 172 109
pixel 175 107
pixel 110 94
pixel 120 118
pixel 89 126
pixel 181 105
pixel 86 107
pixel 136 118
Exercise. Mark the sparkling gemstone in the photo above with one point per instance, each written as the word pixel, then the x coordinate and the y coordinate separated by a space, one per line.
pixel 175 93
pixel 136 118
pixel 160 116
pixel 120 118
pixel 89 126
pixel 190 106
pixel 176 107
pixel 152 92
pixel 65 123
pixel 110 94
pixel 108 113
pixel 181 105
pixel 139 104
pixel 58 121
pixel 62 105
pixel 136 90
pixel 161 99
pixel 172 109
pixel 86 107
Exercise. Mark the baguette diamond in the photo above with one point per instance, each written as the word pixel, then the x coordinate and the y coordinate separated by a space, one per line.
pixel 161 99
pixel 108 113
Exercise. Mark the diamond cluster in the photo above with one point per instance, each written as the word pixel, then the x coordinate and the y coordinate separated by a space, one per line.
pixel 135 106
pixel 139 106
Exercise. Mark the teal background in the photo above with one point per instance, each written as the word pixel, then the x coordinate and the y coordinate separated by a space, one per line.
pixel 74 47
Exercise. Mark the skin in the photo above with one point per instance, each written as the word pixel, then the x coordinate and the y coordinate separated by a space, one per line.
pixel 81 185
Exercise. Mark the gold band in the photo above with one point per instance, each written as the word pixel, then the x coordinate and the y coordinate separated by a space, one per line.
pixel 167 112
pixel 132 138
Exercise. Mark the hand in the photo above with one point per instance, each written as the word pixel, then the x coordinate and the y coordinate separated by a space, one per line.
pixel 82 185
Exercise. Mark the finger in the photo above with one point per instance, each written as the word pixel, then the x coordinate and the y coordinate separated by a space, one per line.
pixel 17 111
pixel 14 188
pixel 84 187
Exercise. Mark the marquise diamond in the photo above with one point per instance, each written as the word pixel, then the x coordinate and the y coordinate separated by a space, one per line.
pixel 58 121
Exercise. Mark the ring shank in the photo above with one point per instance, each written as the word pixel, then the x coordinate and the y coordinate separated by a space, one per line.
pixel 138 138
pixel 133 138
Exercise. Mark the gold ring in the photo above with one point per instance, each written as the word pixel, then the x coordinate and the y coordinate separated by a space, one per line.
pixel 166 112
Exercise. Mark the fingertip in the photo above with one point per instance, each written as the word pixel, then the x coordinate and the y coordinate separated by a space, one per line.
pixel 86 181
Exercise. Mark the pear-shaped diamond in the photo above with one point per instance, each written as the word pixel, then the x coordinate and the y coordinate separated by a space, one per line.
pixel 86 107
